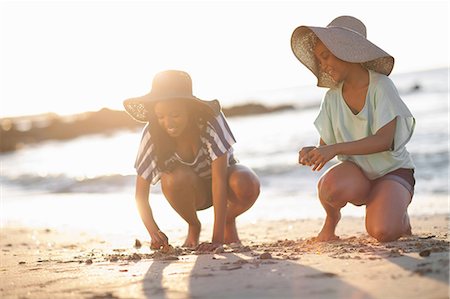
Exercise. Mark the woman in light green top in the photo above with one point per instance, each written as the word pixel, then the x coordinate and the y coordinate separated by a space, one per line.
pixel 362 121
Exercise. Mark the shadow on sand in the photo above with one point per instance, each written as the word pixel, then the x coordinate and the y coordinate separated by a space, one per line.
pixel 246 275
pixel 241 275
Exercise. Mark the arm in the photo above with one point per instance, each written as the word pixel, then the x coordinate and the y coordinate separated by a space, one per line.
pixel 381 141
pixel 142 201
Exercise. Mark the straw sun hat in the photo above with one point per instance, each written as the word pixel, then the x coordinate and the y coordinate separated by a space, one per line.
pixel 346 38
pixel 168 85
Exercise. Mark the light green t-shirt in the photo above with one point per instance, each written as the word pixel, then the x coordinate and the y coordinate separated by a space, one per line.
pixel 336 123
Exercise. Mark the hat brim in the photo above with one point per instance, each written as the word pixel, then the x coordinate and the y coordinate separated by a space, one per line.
pixel 345 44
pixel 139 107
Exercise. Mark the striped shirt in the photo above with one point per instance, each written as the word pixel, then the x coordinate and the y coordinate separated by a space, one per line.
pixel 216 139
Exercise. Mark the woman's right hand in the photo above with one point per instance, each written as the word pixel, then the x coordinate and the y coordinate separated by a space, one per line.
pixel 159 239
pixel 303 157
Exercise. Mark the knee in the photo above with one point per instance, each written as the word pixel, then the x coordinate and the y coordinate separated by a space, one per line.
pixel 244 186
pixel 383 233
pixel 329 189
pixel 177 180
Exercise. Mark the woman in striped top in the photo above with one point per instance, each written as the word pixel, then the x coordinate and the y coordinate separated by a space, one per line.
pixel 187 145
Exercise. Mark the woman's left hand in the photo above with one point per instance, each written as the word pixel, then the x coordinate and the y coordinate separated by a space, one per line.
pixel 321 155
pixel 208 247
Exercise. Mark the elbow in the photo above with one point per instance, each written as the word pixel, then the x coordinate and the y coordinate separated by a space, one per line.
pixel 388 145
pixel 384 147
pixel 140 199
pixel 385 144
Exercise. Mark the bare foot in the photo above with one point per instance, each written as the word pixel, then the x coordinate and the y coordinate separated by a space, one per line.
pixel 407 231
pixel 231 234
pixel 327 232
pixel 193 236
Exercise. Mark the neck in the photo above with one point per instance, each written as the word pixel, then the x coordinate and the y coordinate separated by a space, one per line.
pixel 189 136
pixel 357 77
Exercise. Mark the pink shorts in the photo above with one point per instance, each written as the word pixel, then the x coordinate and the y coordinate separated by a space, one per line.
pixel 404 176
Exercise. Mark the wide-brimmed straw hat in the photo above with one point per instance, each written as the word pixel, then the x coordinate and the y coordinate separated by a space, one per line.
pixel 167 85
pixel 346 38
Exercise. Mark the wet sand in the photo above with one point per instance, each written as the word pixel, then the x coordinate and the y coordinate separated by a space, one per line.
pixel 278 259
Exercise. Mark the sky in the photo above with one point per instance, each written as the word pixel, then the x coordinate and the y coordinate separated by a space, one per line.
pixel 73 56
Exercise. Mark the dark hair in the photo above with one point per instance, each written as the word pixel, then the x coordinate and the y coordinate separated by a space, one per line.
pixel 164 145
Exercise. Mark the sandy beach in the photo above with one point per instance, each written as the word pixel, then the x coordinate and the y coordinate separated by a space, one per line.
pixel 278 259
pixel 69 222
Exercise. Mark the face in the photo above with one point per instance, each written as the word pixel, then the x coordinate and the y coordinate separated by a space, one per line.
pixel 329 63
pixel 172 116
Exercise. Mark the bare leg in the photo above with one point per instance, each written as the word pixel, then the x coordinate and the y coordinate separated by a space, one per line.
pixel 193 236
pixel 408 230
pixel 185 192
pixel 341 184
pixel 243 192
pixel 328 231
pixel 386 212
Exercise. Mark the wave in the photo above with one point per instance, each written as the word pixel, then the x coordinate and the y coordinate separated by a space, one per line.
pixel 64 184
pixel 431 174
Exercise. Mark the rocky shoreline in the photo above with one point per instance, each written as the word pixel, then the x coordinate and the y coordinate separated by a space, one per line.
pixel 19 131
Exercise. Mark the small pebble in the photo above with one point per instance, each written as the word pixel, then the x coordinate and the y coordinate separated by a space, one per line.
pixel 219 250
pixel 265 256
pixel 137 244
pixel 135 257
pixel 424 253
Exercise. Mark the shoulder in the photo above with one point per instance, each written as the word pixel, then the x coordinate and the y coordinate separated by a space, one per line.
pixel 146 135
pixel 332 92
pixel 146 131
pixel 217 129
pixel 382 83
pixel 217 122
pixel 330 98
pixel 383 93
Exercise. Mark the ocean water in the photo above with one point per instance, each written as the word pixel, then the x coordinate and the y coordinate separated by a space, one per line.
pixel 88 182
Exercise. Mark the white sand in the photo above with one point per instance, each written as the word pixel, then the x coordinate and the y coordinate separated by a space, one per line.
pixel 46 263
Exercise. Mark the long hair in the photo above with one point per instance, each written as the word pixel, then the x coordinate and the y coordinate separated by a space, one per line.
pixel 164 145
